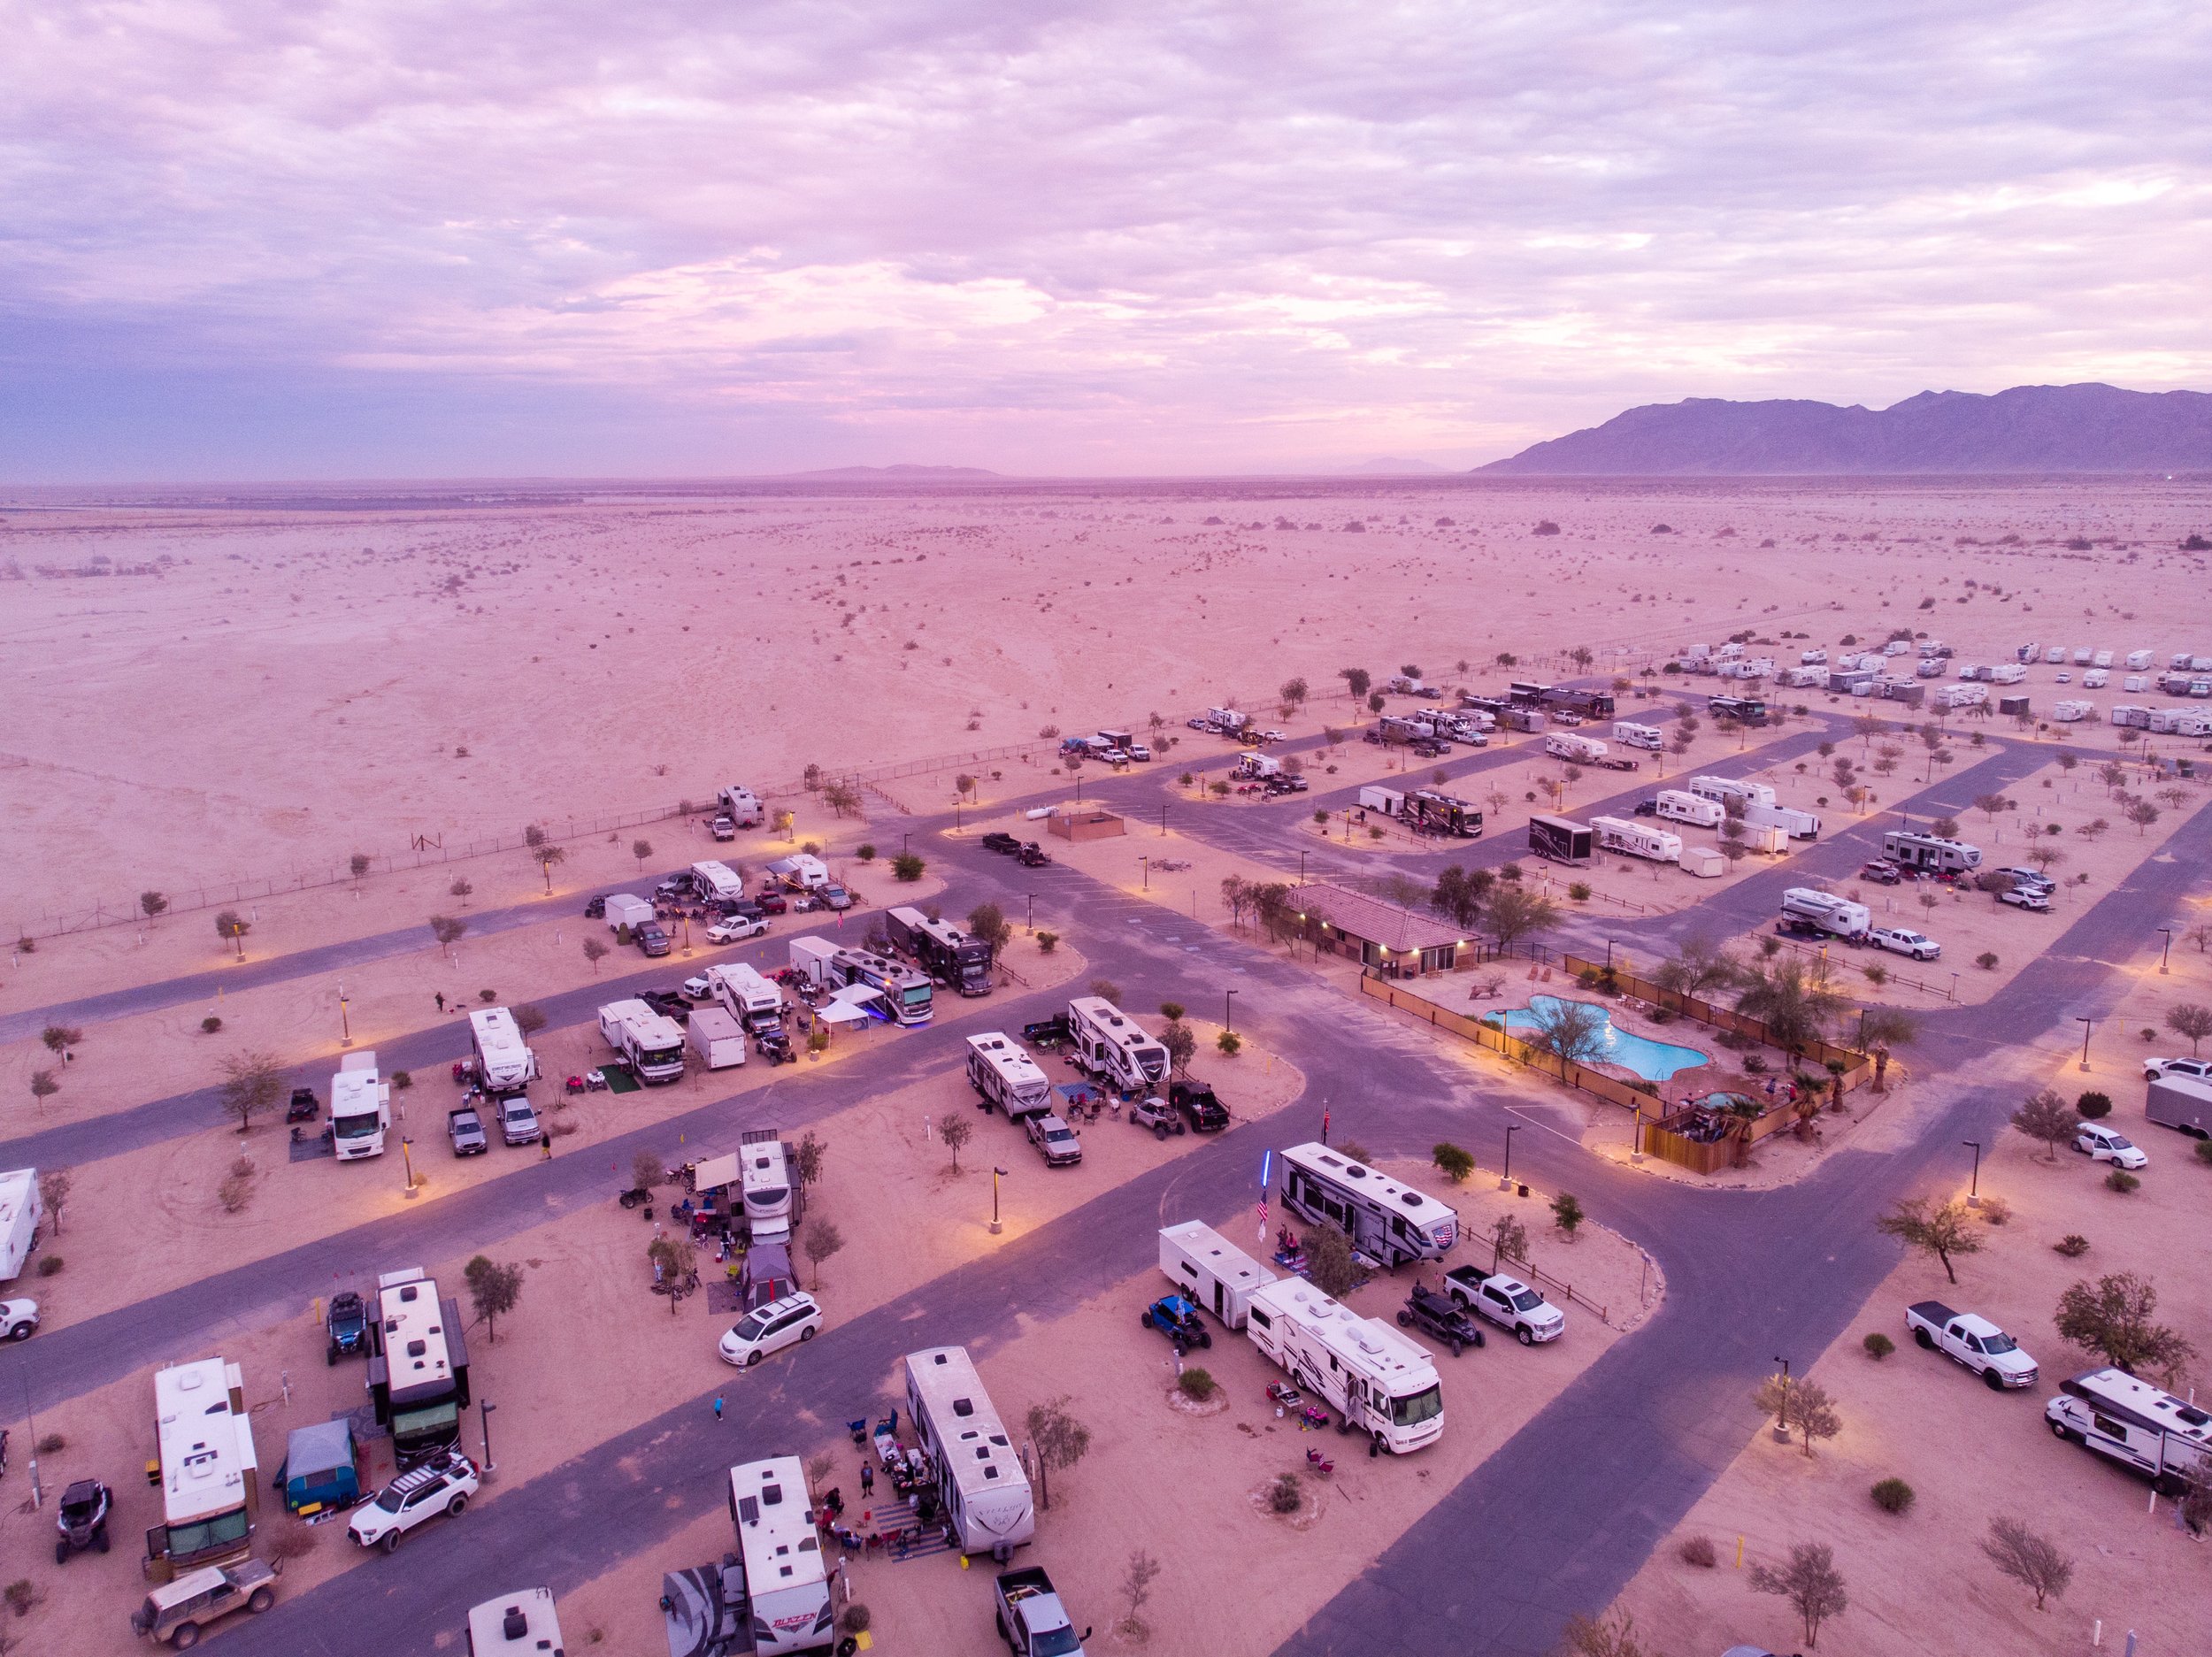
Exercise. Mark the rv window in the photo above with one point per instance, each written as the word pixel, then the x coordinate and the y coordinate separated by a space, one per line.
pixel 1261 1318
pixel 2108 1427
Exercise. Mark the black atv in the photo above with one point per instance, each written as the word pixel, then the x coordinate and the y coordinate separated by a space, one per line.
pixel 347 1323
pixel 83 1520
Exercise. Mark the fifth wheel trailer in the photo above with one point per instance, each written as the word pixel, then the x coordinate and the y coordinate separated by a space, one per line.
pixel 1563 840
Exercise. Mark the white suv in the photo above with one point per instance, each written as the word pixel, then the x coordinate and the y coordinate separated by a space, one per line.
pixel 442 1485
pixel 1901 940
pixel 17 1319
pixel 2103 1144
pixel 770 1328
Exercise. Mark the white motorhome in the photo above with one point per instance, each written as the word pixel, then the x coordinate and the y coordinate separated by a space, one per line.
pixel 1112 1045
pixel 787 1584
pixel 649 1044
pixel 716 882
pixel 21 1213
pixel 741 805
pixel 747 996
pixel 1727 788
pixel 418 1365
pixel 1643 736
pixel 1386 1221
pixel 1389 802
pixel 766 1187
pixel 518 1624
pixel 1679 805
pixel 360 1108
pixel 715 1036
pixel 1930 852
pixel 1002 1074
pixel 1826 912
pixel 2128 1420
pixel 210 1494
pixel 980 1482
pixel 504 1063
pixel 1383 1384
pixel 2055 655
pixel 2073 711
pixel 1210 1271
pixel 1581 751
pixel 1634 838
pixel 2137 661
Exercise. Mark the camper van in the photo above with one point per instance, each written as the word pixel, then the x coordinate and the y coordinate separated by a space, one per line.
pixel 1385 1220
pixel 1002 1074
pixel 211 1491
pixel 418 1365
pixel 745 996
pixel 1383 1384
pixel 649 1045
pixel 779 1549
pixel 980 1483
pixel 504 1063
pixel 360 1108
pixel 1826 912
pixel 2129 1421
pixel 1930 852
pixel 1632 839
pixel 1678 806
pixel 1210 1271
pixel 1113 1046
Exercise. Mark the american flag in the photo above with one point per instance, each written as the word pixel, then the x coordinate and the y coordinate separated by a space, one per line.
pixel 1262 1219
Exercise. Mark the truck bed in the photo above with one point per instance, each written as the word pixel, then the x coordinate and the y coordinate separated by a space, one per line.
pixel 1930 1311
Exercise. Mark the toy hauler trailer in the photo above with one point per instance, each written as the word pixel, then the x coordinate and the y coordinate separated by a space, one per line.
pixel 1581 751
pixel 1384 1220
pixel 716 882
pixel 1930 852
pixel 1002 1073
pixel 1562 840
pixel 1429 812
pixel 1383 1384
pixel 1393 729
pixel 1210 1271
pixel 741 805
pixel 1634 838
pixel 981 1487
pixel 814 960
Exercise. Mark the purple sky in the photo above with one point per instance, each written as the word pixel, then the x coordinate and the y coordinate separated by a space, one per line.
pixel 410 238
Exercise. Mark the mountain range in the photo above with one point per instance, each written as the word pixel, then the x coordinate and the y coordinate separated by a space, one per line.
pixel 2027 429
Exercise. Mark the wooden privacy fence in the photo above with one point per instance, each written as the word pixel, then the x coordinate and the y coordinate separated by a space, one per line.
pixel 1857 1067
pixel 1490 1036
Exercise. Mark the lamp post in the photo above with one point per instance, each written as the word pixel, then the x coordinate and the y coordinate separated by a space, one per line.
pixel 2085 1024
pixel 1505 1180
pixel 1228 999
pixel 407 1156
pixel 1782 1423
pixel 1146 861
pixel 1162 819
pixel 484 1408
pixel 1974 1185
pixel 2166 948
pixel 345 1023
pixel 1032 897
pixel 996 1174
pixel 1302 867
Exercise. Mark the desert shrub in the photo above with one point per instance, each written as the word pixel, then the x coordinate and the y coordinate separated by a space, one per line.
pixel 2122 1181
pixel 1457 1163
pixel 21 1595
pixel 210 1025
pixel 2073 1245
pixel 1754 1064
pixel 49 1265
pixel 1879 1345
pixel 2204 1151
pixel 1229 1042
pixel 1283 1496
pixel 2093 1107
pixel 865 851
pixel 1046 942
pixel 855 1618
pixel 1197 1384
pixel 1891 1495
pixel 1580 891
pixel 401 1080
pixel 1699 1551
pixel 1996 1210
pixel 1986 960
pixel 908 866
pixel 295 1543
pixel 52 1443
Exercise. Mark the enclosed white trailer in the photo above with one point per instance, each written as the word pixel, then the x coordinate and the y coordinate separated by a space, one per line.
pixel 717 1037
pixel 1390 801
pixel 1210 1271
pixel 626 909
pixel 815 960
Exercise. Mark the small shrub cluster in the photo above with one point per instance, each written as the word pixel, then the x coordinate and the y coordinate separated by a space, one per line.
pixel 2073 1245
pixel 1879 1345
pixel 1198 1385
pixel 1892 1495
pixel 1284 1496
pixel 2122 1181
pixel 1699 1551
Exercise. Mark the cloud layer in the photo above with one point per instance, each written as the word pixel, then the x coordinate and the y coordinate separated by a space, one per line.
pixel 296 239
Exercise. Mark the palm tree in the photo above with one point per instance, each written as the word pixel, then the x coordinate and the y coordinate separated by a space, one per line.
pixel 1795 1007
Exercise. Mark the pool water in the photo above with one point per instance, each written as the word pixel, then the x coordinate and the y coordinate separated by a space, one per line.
pixel 1654 1060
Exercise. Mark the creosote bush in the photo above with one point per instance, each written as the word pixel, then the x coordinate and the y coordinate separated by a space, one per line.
pixel 2073 1245
pixel 2122 1181
pixel 1879 1345
pixel 1699 1551
pixel 1198 1385
pixel 1891 1495
pixel 1283 1496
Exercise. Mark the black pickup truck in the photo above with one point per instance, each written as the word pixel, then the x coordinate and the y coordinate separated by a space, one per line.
pixel 1196 1101
pixel 1047 1032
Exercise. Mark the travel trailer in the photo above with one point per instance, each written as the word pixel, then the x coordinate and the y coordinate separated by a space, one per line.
pixel 1678 806
pixel 1112 1046
pixel 1930 852
pixel 787 1584
pixel 504 1063
pixel 980 1484
pixel 1634 838
pixel 1826 912
pixel 1002 1073
pixel 1385 1220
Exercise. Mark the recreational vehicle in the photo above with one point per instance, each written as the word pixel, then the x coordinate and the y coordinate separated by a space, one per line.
pixel 649 1045
pixel 1210 1271
pixel 1743 709
pixel 504 1063
pixel 1826 912
pixel 1385 1220
pixel 1930 852
pixel 1112 1046
pixel 769 1194
pixel 1002 1074
pixel 802 872
pixel 1383 1384
pixel 787 1584
pixel 1562 840
pixel 745 996
pixel 2128 1420
pixel 20 1215
pixel 814 962
pixel 209 1489
pixel 1678 806
pixel 1389 802
pixel 1800 826
pixel 1643 736
pixel 523 1624
pixel 1725 789
pixel 2072 711
pixel 360 1108
pixel 1634 838
pixel 959 961
pixel 906 991
pixel 979 1479
pixel 1429 812
pixel 1580 750
pixel 716 882
pixel 418 1365
pixel 741 805
pixel 2136 661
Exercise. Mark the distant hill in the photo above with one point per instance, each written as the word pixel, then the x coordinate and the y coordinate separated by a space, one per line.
pixel 897 474
pixel 1391 466
pixel 2027 429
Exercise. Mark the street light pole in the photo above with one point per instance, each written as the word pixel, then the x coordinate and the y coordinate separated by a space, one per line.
pixel 1505 1180
pixel 1146 861
pixel 407 1155
pixel 345 1023
pixel 1032 896
pixel 1782 1425
pixel 1227 1007
pixel 995 1174
pixel 485 1409
pixel 2165 949
pixel 2085 1023
pixel 1974 1186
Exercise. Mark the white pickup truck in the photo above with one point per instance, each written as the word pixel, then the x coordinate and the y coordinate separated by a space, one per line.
pixel 1973 1341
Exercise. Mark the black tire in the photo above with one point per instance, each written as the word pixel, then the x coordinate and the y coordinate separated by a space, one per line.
pixel 1478 1337
pixel 21 1331
pixel 185 1636
pixel 391 1543
pixel 1926 1340
pixel 100 1538
pixel 1994 1382
pixel 2060 1429
pixel 1206 1338
pixel 1375 1447
pixel 1145 1317
pixel 1405 1320
pixel 846 1646
pixel 330 1357
pixel 458 1506
pixel 808 1332
pixel 1458 1346
pixel 753 1357
pixel 61 1551
pixel 1522 1335
pixel 261 1599
pixel 1160 1131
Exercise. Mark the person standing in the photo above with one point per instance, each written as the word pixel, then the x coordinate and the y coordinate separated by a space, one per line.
pixel 718 1406
pixel 440 999
pixel 867 1480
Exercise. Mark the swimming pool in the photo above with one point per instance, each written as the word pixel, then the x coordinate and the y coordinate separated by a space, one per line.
pixel 1654 1060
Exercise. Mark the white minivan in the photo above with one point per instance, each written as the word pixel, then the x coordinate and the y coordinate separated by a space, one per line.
pixel 770 1328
